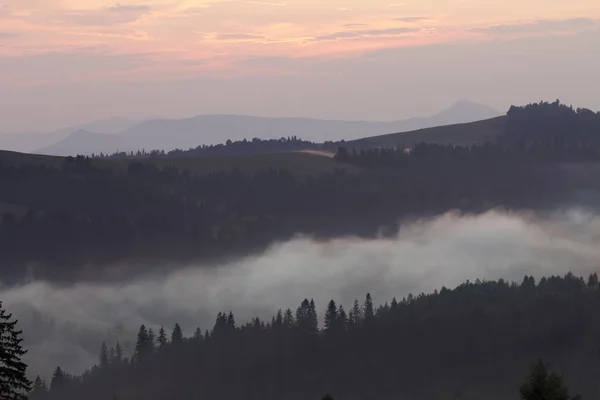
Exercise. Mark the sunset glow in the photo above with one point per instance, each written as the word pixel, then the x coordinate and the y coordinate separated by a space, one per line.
pixel 212 37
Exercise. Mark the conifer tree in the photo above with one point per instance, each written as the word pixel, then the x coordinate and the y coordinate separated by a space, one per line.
pixel 544 385
pixel 313 318
pixel 13 381
pixel 342 319
pixel 118 353
pixel 39 388
pixel 331 317
pixel 198 333
pixel 162 338
pixel 288 319
pixel 368 310
pixel 176 335
pixel 103 355
pixel 142 345
pixel 59 380
pixel 356 314
pixel 151 339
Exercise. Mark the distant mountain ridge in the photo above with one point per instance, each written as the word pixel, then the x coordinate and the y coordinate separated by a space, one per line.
pixel 32 141
pixel 169 134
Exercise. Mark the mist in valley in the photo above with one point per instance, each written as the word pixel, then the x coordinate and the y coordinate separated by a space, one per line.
pixel 65 325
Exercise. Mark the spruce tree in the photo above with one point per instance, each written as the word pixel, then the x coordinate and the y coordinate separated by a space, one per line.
pixel 59 380
pixel 103 356
pixel 142 345
pixel 342 319
pixel 544 385
pixel 151 340
pixel 176 335
pixel 368 311
pixel 39 388
pixel 162 338
pixel 312 317
pixel 331 315
pixel 118 353
pixel 198 333
pixel 288 319
pixel 13 381
pixel 357 314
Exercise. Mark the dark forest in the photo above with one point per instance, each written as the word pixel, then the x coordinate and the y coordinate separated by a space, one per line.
pixel 475 341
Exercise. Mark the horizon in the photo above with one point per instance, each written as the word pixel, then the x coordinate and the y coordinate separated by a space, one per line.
pixel 65 63
pixel 136 121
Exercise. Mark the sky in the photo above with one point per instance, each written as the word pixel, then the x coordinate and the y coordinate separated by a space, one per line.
pixel 64 62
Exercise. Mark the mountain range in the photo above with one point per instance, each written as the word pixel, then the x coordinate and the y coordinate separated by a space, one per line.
pixel 168 134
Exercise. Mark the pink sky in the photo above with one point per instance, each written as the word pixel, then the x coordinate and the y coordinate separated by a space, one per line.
pixel 53 47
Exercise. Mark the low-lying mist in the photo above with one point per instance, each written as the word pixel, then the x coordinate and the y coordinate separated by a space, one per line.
pixel 66 325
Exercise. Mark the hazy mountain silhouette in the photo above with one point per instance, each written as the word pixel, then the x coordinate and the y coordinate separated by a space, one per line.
pixel 168 134
pixel 32 141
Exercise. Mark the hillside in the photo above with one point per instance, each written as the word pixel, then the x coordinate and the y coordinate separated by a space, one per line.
pixel 298 163
pixel 424 346
pixel 169 134
pixel 458 134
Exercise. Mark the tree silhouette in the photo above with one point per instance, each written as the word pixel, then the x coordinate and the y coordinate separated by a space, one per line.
pixel 544 385
pixel 162 338
pixel 176 335
pixel 14 384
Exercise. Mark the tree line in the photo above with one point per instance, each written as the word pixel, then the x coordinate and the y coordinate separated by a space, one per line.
pixel 229 148
pixel 475 341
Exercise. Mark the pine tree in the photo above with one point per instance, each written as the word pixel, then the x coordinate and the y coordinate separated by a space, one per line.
pixel 39 388
pixel 151 339
pixel 356 314
pixel 288 319
pixel 103 355
pixel 59 380
pixel 342 319
pixel 13 381
pixel 331 317
pixel 544 385
pixel 118 354
pixel 176 335
pixel 198 333
pixel 142 346
pixel 313 319
pixel 112 355
pixel 162 338
pixel 231 320
pixel 368 311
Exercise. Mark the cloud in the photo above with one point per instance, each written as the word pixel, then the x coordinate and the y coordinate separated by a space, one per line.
pixel 353 25
pixel 129 9
pixel 114 15
pixel 366 33
pixel 7 35
pixel 65 325
pixel 542 26
pixel 266 3
pixel 411 19
pixel 237 36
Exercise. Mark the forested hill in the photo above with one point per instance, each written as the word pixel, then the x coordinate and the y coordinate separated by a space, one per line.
pixel 473 342
pixel 59 215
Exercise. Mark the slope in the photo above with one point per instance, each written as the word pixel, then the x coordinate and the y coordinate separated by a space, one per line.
pixel 169 134
pixel 457 134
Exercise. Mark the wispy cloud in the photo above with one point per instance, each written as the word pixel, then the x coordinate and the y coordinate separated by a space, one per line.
pixel 267 3
pixel 353 25
pixel 541 26
pixel 232 37
pixel 114 15
pixel 411 19
pixel 7 35
pixel 366 33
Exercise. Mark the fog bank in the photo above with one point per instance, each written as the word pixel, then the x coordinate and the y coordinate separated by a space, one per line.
pixel 66 325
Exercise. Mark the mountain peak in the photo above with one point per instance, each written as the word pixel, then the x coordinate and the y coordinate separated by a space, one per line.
pixel 466 111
